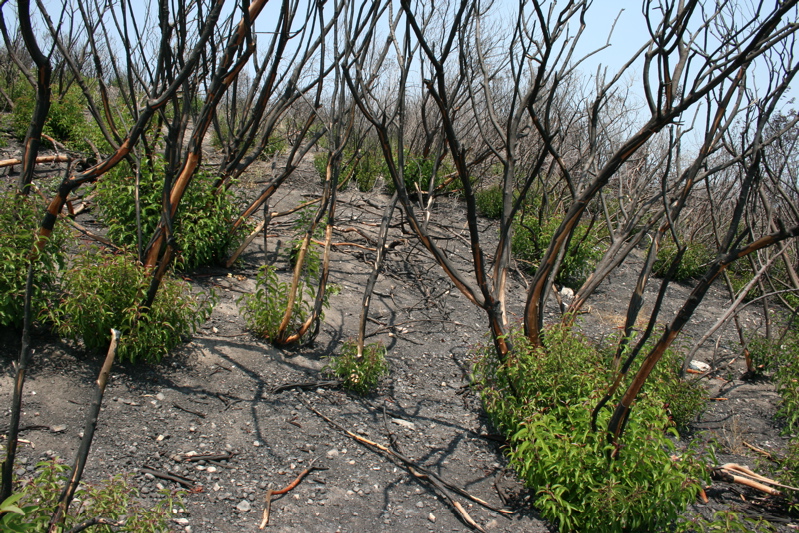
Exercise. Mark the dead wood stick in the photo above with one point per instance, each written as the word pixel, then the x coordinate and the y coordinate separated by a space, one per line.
pixel 465 516
pixel 41 159
pixel 88 435
pixel 186 482
pixel 270 492
pixel 745 471
pixel 247 240
pixel 408 463
pixel 354 244
pixel 469 520
pixel 437 484
pixel 235 255
pixel 185 410
pixel 308 385
pixel 86 524
pixel 3 430
pixel 499 493
pixel 209 457
pixel 725 475
pixel 79 227
pixel 217 463
pixel 758 450
pixel 362 233
pixel 91 234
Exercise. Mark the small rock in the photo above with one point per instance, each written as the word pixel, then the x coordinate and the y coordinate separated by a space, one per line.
pixel 58 429
pixel 332 453
pixel 160 397
pixel 181 521
pixel 256 443
pixel 244 506
pixel 699 366
pixel 404 423
pixel 432 517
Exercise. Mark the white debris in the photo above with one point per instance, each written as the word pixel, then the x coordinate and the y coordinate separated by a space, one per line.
pixel 244 506
pixel 404 423
pixel 699 366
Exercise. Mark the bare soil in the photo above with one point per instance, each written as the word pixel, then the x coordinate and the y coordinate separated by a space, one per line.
pixel 216 395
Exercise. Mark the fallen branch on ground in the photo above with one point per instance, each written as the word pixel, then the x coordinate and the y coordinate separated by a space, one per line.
pixel 761 451
pixel 96 521
pixel 40 159
pixel 270 493
pixel 308 385
pixel 186 482
pixel 419 472
pixel 208 457
pixel 92 414
pixel 735 473
pixel 185 410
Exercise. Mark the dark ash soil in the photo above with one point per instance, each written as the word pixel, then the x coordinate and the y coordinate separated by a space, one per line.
pixel 215 396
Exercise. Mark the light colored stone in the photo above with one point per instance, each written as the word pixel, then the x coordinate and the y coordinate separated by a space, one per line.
pixel 244 506
pixel 404 423
pixel 699 366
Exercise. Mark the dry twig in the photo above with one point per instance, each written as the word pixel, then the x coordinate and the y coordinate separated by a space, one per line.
pixel 735 473
pixel 419 472
pixel 270 493
pixel 186 482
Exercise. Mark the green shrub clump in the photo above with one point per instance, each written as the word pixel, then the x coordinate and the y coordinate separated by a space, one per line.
pixel 693 265
pixel 489 201
pixel 533 229
pixel 418 171
pixel 364 167
pixel 201 224
pixel 34 501
pixel 65 121
pixel 360 374
pixel 104 291
pixel 780 359
pixel 531 238
pixel 542 400
pixel 19 217
pixel 264 309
